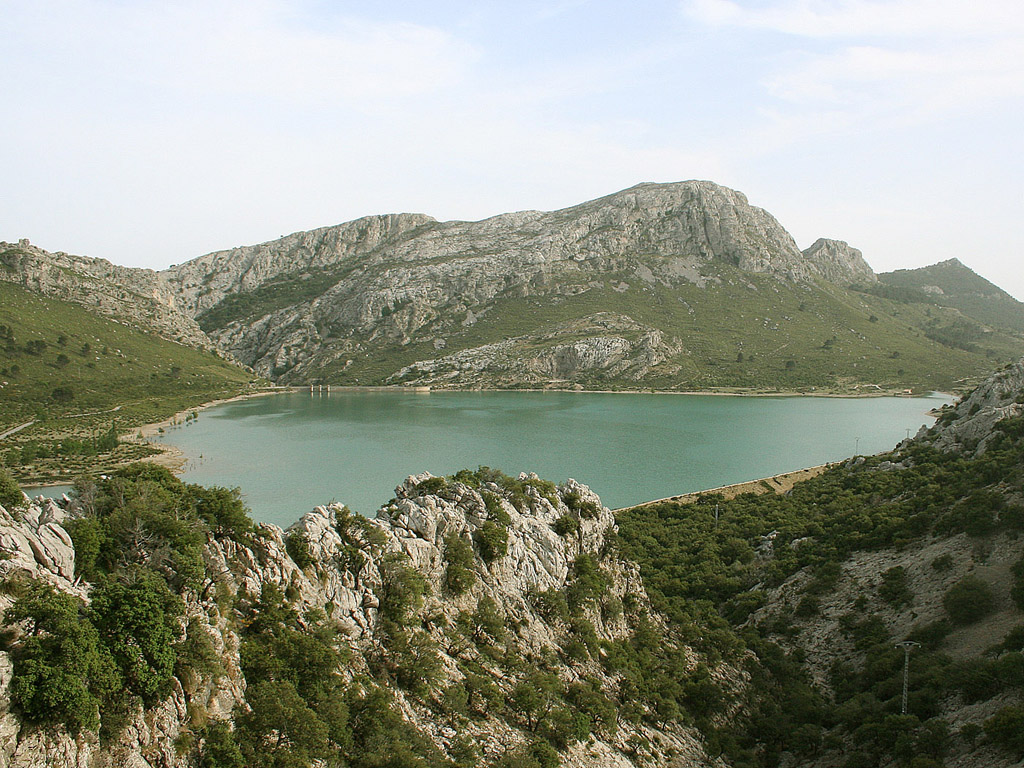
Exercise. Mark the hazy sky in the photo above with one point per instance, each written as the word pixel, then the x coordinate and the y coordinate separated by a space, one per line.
pixel 149 132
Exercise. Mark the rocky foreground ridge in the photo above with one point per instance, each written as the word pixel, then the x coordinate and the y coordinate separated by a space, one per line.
pixel 491 624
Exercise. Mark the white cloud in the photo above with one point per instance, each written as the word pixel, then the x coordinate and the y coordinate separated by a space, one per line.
pixel 260 48
pixel 872 18
pixel 877 65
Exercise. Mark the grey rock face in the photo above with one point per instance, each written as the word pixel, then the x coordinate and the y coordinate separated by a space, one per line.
pixel 345 581
pixel 139 297
pixel 970 429
pixel 313 297
pixel 839 263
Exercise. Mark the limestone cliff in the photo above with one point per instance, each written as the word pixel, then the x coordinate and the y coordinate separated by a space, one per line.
pixel 315 303
pixel 839 263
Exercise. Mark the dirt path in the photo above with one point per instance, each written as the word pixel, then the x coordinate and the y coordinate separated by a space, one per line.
pixel 18 428
pixel 776 484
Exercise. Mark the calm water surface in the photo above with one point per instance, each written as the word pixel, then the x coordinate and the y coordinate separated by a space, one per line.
pixel 292 451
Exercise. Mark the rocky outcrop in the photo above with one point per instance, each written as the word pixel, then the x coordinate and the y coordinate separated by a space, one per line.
pixel 583 347
pixel 140 298
pixel 344 577
pixel 969 425
pixel 839 263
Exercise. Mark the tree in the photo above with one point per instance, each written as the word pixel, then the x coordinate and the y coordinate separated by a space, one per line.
pixel 968 600
pixel 135 624
pixel 402 588
pixel 1006 727
pixel 61 670
pixel 535 696
pixel 11 496
pixel 459 576
pixel 220 750
pixel 492 540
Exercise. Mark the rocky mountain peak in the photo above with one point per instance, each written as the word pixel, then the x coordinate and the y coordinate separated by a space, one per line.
pixel 838 262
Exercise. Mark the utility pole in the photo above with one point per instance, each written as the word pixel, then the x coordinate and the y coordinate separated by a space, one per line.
pixel 907 646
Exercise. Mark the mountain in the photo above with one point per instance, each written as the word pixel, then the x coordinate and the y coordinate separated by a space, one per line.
pixel 682 286
pixel 135 297
pixel 673 286
pixel 951 284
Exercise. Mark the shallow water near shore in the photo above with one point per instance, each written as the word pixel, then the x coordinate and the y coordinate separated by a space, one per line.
pixel 292 451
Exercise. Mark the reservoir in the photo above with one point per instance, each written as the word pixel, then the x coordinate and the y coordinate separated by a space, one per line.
pixel 292 451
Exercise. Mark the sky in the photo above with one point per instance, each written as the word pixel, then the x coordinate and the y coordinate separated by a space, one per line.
pixel 149 132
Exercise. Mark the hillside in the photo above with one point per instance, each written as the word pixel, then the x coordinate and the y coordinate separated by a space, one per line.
pixel 951 284
pixel 135 297
pixel 821 583
pixel 672 286
pixel 76 374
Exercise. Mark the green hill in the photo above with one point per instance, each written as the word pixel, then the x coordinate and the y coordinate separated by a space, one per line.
pixel 76 374
pixel 951 284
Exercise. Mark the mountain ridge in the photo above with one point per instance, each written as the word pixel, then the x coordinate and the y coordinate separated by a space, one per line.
pixel 677 286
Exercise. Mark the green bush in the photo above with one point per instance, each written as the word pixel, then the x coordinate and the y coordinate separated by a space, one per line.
pixel 11 496
pixel 402 588
pixel 566 524
pixel 220 750
pixel 492 541
pixel 1017 586
pixel 1006 728
pixel 589 582
pixel 969 600
pixel 297 546
pixel 894 588
pixel 459 575
pixel 137 622
pixel 62 672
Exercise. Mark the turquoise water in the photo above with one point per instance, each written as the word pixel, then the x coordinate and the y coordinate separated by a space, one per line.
pixel 292 451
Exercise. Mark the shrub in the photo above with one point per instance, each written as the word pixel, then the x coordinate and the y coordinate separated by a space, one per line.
pixel 61 672
pixel 492 541
pixel 297 546
pixel 11 496
pixel 968 600
pixel 459 575
pixel 1017 587
pixel 222 509
pixel 566 524
pixel 589 582
pixel 402 588
pixel 1006 728
pixel 894 588
pixel 219 747
pixel 943 563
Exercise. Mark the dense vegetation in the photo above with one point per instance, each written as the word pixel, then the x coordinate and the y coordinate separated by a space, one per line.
pixel 81 377
pixel 708 566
